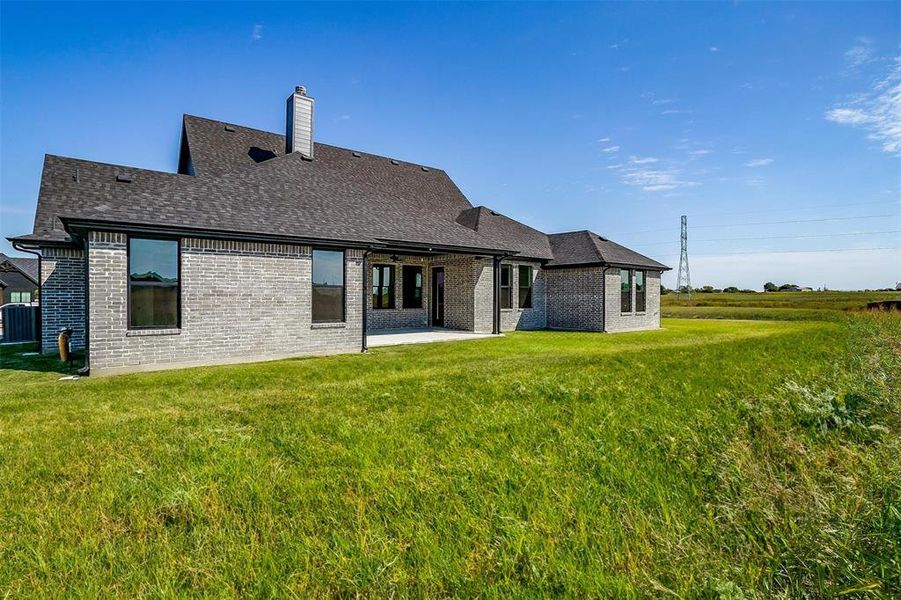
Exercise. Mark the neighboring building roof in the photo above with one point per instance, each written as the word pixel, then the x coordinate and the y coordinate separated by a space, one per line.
pixel 238 180
pixel 27 266
pixel 586 247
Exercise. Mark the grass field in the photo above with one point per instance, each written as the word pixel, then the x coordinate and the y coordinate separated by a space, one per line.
pixel 710 458
pixel 791 306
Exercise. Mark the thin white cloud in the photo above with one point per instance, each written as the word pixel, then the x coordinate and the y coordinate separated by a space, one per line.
pixel 624 69
pixel 257 33
pixel 604 139
pixel 611 149
pixel 714 49
pixel 759 162
pixel 675 111
pixel 656 180
pixel 702 152
pixel 635 160
pixel 861 53
pixel 663 101
pixel 344 118
pixel 878 111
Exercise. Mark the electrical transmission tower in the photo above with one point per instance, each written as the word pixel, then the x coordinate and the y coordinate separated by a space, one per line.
pixel 683 283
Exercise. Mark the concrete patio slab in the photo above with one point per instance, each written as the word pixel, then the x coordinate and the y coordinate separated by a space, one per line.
pixel 396 337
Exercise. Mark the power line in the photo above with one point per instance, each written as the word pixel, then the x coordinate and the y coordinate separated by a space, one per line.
pixel 780 210
pixel 780 237
pixel 795 251
pixel 772 223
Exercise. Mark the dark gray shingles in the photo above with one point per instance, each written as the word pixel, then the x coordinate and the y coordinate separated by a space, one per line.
pixel 246 184
pixel 586 247
pixel 28 266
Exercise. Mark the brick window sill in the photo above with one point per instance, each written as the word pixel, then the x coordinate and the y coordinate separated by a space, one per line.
pixel 149 332
pixel 328 325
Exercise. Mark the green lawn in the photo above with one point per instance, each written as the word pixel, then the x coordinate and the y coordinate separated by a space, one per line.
pixel 710 458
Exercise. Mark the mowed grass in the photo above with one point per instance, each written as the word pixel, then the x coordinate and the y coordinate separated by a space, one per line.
pixel 790 306
pixel 710 458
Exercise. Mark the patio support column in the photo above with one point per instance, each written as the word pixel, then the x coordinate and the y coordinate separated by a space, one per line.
pixel 364 346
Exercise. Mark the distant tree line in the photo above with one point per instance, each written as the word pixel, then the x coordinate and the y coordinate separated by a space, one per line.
pixel 769 286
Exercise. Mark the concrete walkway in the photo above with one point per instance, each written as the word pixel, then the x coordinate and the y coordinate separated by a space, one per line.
pixel 395 337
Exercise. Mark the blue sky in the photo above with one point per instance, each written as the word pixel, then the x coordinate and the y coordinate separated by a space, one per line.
pixel 774 127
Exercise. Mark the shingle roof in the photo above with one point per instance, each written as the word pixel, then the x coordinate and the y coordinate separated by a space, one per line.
pixel 28 266
pixel 586 247
pixel 243 182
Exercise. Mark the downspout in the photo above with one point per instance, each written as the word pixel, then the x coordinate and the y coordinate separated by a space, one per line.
pixel 40 324
pixel 86 369
pixel 604 300
pixel 363 344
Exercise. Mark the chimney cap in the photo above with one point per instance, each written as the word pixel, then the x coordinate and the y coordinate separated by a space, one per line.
pixel 300 89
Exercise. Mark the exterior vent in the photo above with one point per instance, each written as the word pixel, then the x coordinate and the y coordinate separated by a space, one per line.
pixel 123 178
pixel 394 162
pixel 424 169
pixel 357 154
pixel 299 125
pixel 230 128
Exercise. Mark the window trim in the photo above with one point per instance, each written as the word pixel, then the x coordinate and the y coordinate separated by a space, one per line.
pixel 343 252
pixel 520 287
pixel 19 295
pixel 392 301
pixel 508 287
pixel 403 286
pixel 644 290
pixel 128 325
pixel 631 309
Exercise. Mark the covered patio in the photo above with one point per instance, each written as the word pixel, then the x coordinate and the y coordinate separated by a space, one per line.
pixel 416 335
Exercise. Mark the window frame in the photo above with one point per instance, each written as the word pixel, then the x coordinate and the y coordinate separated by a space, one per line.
pixel 129 326
pixel 622 299
pixel 520 287
pixel 414 270
pixel 643 292
pixel 13 295
pixel 506 290
pixel 343 285
pixel 382 268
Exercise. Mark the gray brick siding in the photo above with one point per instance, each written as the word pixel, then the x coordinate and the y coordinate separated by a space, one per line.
pixel 400 316
pixel 632 321
pixel 224 319
pixel 526 318
pixel 62 297
pixel 574 298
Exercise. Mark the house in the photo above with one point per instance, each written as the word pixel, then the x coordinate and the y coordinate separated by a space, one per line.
pixel 18 279
pixel 263 245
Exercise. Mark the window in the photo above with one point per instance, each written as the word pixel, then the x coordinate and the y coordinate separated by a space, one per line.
pixel 20 296
pixel 506 286
pixel 153 284
pixel 640 295
pixel 382 286
pixel 328 286
pixel 525 287
pixel 625 278
pixel 412 286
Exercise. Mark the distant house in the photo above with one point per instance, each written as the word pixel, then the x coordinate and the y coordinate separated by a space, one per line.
pixel 264 245
pixel 18 279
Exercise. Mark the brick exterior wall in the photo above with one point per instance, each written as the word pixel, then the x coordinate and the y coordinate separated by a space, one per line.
pixel 399 316
pixel 62 297
pixel 223 319
pixel 633 320
pixel 574 298
pixel 526 318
